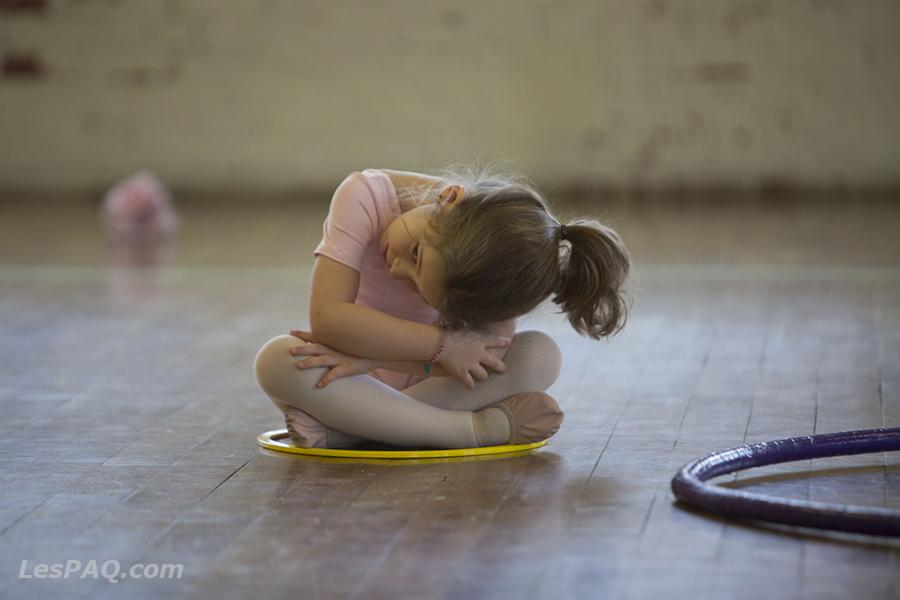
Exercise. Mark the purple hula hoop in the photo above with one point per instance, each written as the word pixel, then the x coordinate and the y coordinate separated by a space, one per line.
pixel 689 484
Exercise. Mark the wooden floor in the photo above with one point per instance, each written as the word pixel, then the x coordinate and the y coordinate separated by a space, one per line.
pixel 129 416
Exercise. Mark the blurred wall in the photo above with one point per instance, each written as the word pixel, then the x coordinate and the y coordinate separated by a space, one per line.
pixel 282 94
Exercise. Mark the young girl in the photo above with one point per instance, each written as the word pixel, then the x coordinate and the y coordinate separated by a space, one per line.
pixel 417 284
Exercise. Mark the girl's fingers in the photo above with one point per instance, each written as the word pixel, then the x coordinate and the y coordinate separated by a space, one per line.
pixel 501 342
pixel 311 348
pixel 318 361
pixel 330 376
pixel 304 349
pixel 494 363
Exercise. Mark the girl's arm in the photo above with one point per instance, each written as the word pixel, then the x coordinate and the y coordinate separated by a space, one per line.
pixel 417 367
pixel 369 333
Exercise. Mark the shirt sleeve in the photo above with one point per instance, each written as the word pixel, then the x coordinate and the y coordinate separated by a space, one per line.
pixel 351 223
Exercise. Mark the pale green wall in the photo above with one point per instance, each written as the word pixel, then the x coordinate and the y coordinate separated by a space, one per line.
pixel 283 94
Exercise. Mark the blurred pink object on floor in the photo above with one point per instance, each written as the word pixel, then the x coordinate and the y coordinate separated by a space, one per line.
pixel 139 209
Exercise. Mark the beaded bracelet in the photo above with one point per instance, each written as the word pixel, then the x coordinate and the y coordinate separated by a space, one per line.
pixel 440 349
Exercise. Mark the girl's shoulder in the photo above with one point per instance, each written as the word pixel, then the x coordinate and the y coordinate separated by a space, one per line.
pixel 368 196
pixel 384 195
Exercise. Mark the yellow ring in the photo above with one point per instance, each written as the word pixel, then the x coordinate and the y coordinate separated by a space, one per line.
pixel 270 440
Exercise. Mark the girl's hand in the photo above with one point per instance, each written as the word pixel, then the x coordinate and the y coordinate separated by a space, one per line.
pixel 465 352
pixel 342 365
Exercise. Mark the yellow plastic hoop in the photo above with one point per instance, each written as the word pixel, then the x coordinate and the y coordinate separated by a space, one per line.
pixel 271 441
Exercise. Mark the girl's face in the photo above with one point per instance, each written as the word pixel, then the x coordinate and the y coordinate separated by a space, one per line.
pixel 408 256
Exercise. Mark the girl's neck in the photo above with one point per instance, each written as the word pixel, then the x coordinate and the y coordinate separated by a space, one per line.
pixel 410 186
pixel 407 204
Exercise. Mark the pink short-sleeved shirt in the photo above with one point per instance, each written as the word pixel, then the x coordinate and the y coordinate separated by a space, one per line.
pixel 363 205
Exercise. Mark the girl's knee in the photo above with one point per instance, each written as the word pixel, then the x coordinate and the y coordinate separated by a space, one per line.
pixel 274 363
pixel 538 360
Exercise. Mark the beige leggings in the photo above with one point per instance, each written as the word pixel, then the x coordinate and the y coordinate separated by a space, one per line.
pixel 436 412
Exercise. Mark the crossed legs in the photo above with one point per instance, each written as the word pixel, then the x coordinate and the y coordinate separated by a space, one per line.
pixel 437 412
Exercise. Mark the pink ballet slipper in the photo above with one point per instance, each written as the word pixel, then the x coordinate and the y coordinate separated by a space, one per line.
pixel 139 209
pixel 308 432
pixel 305 430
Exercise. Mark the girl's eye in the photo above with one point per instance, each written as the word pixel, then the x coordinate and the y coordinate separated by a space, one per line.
pixel 416 253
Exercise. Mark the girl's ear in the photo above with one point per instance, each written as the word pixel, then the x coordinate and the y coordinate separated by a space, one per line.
pixel 451 194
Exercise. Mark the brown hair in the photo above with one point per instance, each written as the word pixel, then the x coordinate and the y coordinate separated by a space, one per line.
pixel 502 255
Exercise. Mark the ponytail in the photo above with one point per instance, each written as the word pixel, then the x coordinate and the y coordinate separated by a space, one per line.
pixel 592 274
